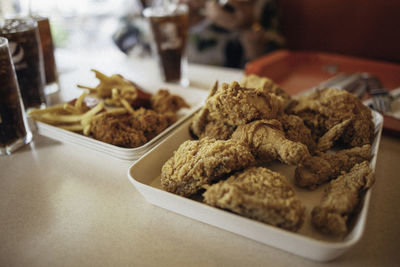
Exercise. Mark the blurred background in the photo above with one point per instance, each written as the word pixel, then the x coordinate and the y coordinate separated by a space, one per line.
pixel 363 28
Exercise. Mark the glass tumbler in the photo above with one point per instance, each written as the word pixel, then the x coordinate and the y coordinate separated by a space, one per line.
pixel 24 44
pixel 50 67
pixel 169 27
pixel 14 130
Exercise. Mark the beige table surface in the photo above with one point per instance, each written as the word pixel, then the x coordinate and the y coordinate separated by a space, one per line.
pixel 64 205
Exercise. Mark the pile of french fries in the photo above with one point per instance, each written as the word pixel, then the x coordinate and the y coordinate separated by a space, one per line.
pixel 115 95
pixel 114 89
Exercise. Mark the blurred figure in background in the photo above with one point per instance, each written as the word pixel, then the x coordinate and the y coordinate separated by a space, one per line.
pixel 232 32
pixel 222 32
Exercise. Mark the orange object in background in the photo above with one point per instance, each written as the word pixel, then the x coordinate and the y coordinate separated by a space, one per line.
pixel 297 71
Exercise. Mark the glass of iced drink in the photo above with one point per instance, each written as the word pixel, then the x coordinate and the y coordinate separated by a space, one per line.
pixel 14 130
pixel 24 44
pixel 169 27
pixel 50 67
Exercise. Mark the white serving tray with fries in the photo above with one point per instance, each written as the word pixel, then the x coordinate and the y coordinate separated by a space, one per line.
pixel 194 97
pixel 145 177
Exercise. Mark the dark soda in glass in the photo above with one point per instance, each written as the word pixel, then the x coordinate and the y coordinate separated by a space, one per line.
pixel 24 44
pixel 13 129
pixel 169 28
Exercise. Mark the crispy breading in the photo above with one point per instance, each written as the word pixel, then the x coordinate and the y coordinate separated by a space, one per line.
pixel 297 131
pixel 328 139
pixel 236 105
pixel 315 170
pixel 130 130
pixel 264 84
pixel 199 162
pixel 163 101
pixel 260 194
pixel 342 197
pixel 325 108
pixel 218 130
pixel 267 142
pixel 203 125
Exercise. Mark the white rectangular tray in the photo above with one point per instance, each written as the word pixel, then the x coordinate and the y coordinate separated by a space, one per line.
pixel 194 97
pixel 308 243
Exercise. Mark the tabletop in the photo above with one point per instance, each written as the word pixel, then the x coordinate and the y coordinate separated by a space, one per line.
pixel 64 205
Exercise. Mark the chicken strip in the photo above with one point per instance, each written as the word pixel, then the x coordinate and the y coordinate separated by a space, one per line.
pixel 319 169
pixel 267 142
pixel 264 84
pixel 236 105
pixel 325 108
pixel 342 197
pixel 261 194
pixel 199 162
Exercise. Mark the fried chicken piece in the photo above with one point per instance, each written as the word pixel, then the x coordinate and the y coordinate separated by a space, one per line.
pixel 333 134
pixel 130 130
pixel 163 101
pixel 199 162
pixel 325 108
pixel 236 105
pixel 267 142
pixel 218 130
pixel 264 84
pixel 153 123
pixel 342 197
pixel 297 131
pixel 203 125
pixel 261 194
pixel 313 171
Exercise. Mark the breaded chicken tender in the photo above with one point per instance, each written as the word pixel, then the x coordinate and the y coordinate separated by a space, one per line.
pixel 261 194
pixel 267 142
pixel 130 130
pixel 199 162
pixel 264 84
pixel 236 105
pixel 315 170
pixel 325 108
pixel 342 197
pixel 163 101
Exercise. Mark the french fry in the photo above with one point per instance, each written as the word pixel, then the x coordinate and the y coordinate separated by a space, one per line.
pixel 109 84
pixel 127 106
pixel 55 108
pixel 93 111
pixel 72 127
pixel 79 101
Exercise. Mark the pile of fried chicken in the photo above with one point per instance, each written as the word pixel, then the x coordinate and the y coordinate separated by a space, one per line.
pixel 326 134
pixel 130 130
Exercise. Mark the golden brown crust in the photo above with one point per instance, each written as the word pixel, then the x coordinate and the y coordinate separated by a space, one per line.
pixel 130 130
pixel 319 169
pixel 324 109
pixel 267 142
pixel 264 84
pixel 163 101
pixel 297 131
pixel 199 162
pixel 328 139
pixel 260 194
pixel 342 197
pixel 236 105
